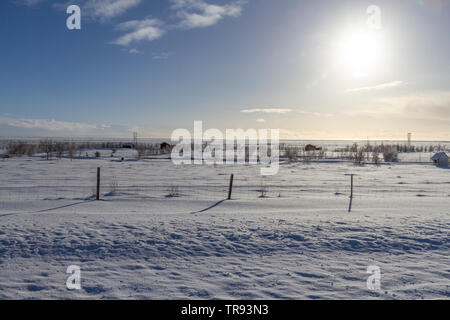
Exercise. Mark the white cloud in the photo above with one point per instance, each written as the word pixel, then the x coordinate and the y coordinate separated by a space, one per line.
pixel 198 13
pixel 107 9
pixel 161 55
pixel 133 51
pixel 22 126
pixel 285 111
pixel 50 125
pixel 267 110
pixel 433 105
pixel 28 3
pixel 102 10
pixel 260 120
pixel 316 114
pixel 392 84
pixel 192 14
pixel 139 30
pixel 427 105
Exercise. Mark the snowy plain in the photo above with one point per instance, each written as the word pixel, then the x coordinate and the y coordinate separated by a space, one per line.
pixel 162 231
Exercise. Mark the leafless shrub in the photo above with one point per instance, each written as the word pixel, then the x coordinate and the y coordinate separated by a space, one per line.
pixel 358 155
pixel 376 157
pixel 390 155
pixel 291 154
pixel 321 153
pixel 71 149
pixel 173 191
pixel 141 150
pixel 46 146
pixel 263 191
pixel 60 148
pixel 16 148
pixel 31 150
pixel 113 185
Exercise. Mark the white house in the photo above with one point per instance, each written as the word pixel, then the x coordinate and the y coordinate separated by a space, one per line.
pixel 440 159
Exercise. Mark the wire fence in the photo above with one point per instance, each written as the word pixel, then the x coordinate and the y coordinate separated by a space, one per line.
pixel 110 188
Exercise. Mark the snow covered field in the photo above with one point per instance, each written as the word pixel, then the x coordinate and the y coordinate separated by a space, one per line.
pixel 287 236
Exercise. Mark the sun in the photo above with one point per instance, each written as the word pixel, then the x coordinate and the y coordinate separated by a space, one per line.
pixel 360 53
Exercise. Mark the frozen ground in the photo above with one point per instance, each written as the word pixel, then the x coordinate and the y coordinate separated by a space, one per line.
pixel 298 242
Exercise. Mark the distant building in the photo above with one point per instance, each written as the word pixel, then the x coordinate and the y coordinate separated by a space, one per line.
pixel 128 145
pixel 165 146
pixel 310 147
pixel 440 159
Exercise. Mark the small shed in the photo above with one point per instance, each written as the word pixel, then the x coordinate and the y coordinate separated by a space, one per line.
pixel 440 159
pixel 128 145
pixel 310 147
pixel 165 146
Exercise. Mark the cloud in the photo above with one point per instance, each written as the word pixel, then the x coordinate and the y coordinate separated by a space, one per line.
pixel 161 55
pixel 260 120
pixel 267 110
pixel 102 10
pixel 316 114
pixel 139 30
pixel 199 14
pixel 28 3
pixel 392 84
pixel 107 9
pixel 435 106
pixel 44 127
pixel 50 125
pixel 284 111
pixel 191 13
pixel 428 105
pixel 133 51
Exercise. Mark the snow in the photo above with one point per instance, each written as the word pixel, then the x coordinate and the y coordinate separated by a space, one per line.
pixel 297 242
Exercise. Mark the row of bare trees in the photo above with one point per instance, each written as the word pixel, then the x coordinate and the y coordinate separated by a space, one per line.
pixel 357 154
pixel 374 153
pixel 399 148
pixel 47 146
pixel 71 149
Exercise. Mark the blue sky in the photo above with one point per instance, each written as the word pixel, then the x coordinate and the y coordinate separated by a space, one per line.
pixel 155 66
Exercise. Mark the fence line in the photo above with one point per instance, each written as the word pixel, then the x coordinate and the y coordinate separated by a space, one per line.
pixel 340 187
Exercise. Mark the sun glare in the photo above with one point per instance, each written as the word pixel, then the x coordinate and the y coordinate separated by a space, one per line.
pixel 360 53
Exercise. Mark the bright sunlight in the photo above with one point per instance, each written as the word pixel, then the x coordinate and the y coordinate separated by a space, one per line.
pixel 360 53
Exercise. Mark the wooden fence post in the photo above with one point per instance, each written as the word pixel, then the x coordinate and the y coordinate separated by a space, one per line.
pixel 98 183
pixel 230 189
pixel 351 191
pixel 351 187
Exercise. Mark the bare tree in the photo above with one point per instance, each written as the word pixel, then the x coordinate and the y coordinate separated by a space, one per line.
pixel 359 155
pixel 60 148
pixel 47 147
pixel 71 148
pixel 375 157
pixel 291 154
pixel 390 155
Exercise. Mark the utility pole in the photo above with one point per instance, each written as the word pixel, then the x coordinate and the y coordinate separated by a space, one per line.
pixel 135 138
pixel 409 141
